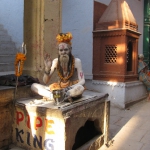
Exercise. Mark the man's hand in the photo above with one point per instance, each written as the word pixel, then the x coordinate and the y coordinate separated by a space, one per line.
pixel 47 62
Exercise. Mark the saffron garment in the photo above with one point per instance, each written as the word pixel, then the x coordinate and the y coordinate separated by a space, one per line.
pixel 59 85
pixel 143 74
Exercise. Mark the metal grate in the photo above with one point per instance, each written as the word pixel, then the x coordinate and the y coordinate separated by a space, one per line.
pixel 110 54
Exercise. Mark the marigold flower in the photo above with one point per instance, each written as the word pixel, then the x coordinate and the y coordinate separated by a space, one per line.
pixel 19 62
pixel 64 37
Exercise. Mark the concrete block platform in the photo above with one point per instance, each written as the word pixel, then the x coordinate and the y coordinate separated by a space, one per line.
pixel 40 124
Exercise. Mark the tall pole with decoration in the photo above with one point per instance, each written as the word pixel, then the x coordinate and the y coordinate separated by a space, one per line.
pixel 19 62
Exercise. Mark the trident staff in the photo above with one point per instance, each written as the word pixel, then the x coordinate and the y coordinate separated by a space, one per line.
pixel 19 62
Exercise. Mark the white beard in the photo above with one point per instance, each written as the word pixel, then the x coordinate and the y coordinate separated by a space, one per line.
pixel 64 59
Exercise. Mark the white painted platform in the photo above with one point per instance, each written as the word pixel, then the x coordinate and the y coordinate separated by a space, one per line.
pixel 121 94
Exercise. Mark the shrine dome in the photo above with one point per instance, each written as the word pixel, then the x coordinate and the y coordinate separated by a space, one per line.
pixel 117 15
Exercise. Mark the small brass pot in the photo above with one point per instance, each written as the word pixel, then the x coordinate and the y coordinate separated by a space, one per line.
pixel 58 96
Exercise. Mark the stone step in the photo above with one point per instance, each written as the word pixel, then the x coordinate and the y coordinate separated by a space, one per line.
pixel 3 32
pixel 5 37
pixel 7 67
pixel 8 51
pixel 5 42
pixel 1 26
pixel 7 58
pixel 6 73
pixel 7 48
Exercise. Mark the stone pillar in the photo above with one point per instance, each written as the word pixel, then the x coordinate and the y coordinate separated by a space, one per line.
pixel 41 25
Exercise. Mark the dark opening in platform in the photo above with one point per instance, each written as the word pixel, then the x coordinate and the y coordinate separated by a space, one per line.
pixel 85 134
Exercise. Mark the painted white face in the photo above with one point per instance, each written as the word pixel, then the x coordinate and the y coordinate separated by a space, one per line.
pixel 64 49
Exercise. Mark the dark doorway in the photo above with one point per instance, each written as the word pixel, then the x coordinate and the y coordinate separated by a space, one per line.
pixel 85 133
pixel 129 56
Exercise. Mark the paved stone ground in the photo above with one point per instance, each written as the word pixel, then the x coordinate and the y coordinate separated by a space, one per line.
pixel 129 128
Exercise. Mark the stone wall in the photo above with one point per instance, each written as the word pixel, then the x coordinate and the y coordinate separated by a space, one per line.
pixel 7 111
pixel 6 124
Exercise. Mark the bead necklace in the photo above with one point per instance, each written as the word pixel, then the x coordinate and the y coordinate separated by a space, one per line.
pixel 65 79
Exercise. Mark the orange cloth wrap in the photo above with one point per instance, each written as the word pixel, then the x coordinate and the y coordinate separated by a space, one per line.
pixel 61 85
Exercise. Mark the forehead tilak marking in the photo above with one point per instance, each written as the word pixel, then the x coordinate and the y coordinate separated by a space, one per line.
pixel 62 46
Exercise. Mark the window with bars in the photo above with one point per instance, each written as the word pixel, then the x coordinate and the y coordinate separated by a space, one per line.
pixel 110 54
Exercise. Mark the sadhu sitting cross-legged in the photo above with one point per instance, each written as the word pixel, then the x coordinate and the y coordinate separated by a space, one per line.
pixel 69 71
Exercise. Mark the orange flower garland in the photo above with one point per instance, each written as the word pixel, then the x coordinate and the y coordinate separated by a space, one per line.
pixel 64 37
pixel 65 79
pixel 20 57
